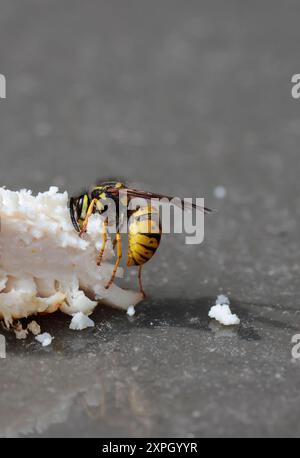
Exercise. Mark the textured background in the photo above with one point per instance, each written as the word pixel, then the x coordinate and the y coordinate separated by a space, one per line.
pixel 180 96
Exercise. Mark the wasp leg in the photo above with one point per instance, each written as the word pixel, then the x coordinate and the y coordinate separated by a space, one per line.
pixel 101 253
pixel 89 213
pixel 140 282
pixel 119 254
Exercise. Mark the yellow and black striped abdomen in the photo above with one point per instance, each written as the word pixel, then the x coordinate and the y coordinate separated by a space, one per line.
pixel 144 235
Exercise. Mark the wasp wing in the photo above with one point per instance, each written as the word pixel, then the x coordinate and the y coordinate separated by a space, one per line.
pixel 150 195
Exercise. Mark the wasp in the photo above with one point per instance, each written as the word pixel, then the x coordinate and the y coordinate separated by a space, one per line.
pixel 144 228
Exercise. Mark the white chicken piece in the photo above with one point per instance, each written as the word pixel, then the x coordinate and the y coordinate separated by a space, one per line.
pixel 45 265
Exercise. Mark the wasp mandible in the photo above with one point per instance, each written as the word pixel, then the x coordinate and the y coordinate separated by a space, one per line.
pixel 144 228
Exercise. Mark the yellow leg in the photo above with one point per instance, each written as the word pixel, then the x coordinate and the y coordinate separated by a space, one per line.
pixel 89 213
pixel 119 254
pixel 140 282
pixel 101 253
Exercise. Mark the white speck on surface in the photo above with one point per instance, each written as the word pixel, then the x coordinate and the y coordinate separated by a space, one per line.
pixel 34 328
pixel 220 192
pixel 131 311
pixel 20 333
pixel 222 313
pixel 44 339
pixel 81 321
pixel 194 319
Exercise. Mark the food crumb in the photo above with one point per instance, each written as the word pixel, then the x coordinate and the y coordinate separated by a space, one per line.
pixel 20 333
pixel 81 321
pixel 131 311
pixel 34 328
pixel 222 313
pixel 45 339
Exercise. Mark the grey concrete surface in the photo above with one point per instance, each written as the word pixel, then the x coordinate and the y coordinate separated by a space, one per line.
pixel 179 96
